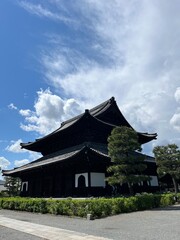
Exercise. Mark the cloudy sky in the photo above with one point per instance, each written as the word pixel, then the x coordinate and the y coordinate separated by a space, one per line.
pixel 58 57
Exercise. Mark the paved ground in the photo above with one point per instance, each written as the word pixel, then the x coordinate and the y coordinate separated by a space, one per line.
pixel 9 234
pixel 146 225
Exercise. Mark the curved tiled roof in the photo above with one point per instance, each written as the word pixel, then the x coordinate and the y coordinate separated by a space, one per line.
pixel 68 154
pixel 97 113
pixel 75 122
pixel 64 125
pixel 60 156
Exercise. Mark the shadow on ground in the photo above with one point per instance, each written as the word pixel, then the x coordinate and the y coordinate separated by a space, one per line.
pixel 169 208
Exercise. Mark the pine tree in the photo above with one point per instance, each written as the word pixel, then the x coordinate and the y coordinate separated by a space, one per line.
pixel 127 165
pixel 168 162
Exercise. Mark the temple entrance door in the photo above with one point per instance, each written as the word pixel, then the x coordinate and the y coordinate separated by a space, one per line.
pixel 82 191
pixel 81 182
pixel 24 188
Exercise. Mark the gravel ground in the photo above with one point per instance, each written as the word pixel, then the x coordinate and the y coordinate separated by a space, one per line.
pixel 147 225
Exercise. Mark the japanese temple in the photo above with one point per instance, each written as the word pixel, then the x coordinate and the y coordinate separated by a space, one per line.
pixel 75 157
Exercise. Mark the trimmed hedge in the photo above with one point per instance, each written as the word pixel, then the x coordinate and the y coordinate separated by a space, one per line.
pixel 98 207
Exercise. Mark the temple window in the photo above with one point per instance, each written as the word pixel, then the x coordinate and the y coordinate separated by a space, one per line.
pixel 154 181
pixel 98 179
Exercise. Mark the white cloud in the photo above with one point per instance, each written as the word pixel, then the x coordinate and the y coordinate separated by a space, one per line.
pixel 42 11
pixel 4 163
pixel 177 94
pixel 71 108
pixel 34 156
pixel 19 163
pixel 49 111
pixel 12 106
pixel 15 147
pixel 25 113
pixel 127 49
pixel 175 121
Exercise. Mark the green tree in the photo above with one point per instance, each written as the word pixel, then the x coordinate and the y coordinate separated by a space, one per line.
pixel 12 185
pixel 127 164
pixel 168 162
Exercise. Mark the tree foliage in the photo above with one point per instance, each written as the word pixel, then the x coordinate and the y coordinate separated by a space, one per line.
pixel 127 162
pixel 168 162
pixel 12 185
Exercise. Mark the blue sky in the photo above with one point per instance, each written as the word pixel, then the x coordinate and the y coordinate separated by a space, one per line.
pixel 59 57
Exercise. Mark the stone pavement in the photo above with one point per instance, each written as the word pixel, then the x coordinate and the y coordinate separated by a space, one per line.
pixel 156 224
pixel 45 232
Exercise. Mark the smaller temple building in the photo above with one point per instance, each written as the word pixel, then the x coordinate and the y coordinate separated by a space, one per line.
pixel 75 157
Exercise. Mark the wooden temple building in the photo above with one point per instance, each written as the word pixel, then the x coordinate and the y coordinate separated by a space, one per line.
pixel 75 157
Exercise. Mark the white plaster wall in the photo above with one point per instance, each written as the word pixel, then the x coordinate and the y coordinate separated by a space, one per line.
pixel 154 181
pixel 98 179
pixel 22 186
pixel 78 175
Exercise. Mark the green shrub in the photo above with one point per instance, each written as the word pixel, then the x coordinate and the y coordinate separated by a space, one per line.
pixel 52 207
pixel 178 197
pixel 98 207
pixel 167 199
pixel 130 204
pixel 145 201
pixel 118 206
